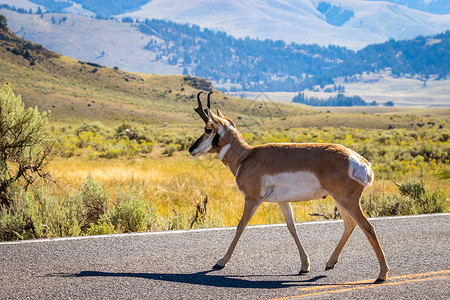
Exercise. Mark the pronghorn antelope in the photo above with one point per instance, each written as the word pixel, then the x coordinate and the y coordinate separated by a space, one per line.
pixel 285 173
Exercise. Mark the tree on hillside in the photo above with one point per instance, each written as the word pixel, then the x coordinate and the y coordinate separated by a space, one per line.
pixel 25 145
pixel 3 22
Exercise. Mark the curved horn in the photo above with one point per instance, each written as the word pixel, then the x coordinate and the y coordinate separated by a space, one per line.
pixel 200 110
pixel 209 100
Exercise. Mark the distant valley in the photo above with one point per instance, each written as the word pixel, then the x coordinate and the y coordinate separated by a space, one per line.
pixel 236 64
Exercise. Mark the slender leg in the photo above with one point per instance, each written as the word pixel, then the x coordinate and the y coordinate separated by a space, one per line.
pixel 358 217
pixel 349 226
pixel 286 208
pixel 249 209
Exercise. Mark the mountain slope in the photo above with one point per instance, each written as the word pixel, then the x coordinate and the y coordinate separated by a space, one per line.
pixel 300 21
pixel 167 48
pixel 236 64
pixel 78 91
pixel 440 7
pixel 350 23
pixel 422 56
pixel 108 43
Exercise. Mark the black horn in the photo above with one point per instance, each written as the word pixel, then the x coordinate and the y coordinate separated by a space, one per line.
pixel 208 104
pixel 200 109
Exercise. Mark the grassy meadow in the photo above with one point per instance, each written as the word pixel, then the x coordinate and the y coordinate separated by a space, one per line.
pixel 140 177
pixel 120 160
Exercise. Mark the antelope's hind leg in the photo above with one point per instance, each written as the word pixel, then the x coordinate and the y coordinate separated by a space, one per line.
pixel 355 212
pixel 286 208
pixel 349 226
pixel 249 209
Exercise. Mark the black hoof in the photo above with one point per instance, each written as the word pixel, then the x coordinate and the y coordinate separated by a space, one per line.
pixel 218 267
pixel 328 268
pixel 303 272
pixel 379 280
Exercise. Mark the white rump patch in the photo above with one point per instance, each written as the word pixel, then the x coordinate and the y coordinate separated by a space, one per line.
pixel 292 187
pixel 223 151
pixel 359 170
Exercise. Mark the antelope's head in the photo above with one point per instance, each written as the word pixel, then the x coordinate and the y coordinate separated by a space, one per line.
pixel 212 140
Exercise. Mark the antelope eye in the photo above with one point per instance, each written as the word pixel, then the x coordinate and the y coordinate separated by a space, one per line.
pixel 207 130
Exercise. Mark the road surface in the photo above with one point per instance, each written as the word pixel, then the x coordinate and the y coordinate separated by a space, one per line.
pixel 177 265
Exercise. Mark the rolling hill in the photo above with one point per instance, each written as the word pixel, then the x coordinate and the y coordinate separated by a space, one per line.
pixel 164 47
pixel 79 91
pixel 76 90
pixel 349 23
pixel 440 7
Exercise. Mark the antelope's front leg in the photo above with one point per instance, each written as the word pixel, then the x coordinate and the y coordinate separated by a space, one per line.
pixel 286 208
pixel 249 209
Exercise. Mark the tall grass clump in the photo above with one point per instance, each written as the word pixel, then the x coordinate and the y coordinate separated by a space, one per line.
pixel 95 200
pixel 414 198
pixel 128 212
pixel 39 213
pixel 16 219
pixel 425 201
pixel 131 214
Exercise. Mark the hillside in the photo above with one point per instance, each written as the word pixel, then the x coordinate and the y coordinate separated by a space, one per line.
pixel 422 56
pixel 162 47
pixel 440 7
pixel 242 64
pixel 350 23
pixel 107 8
pixel 75 90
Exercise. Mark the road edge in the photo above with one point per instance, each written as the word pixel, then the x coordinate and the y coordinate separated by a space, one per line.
pixel 150 233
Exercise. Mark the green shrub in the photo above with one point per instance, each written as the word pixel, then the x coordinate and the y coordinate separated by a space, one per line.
pixel 95 200
pixel 131 214
pixel 424 200
pixel 25 144
pixel 178 221
pixel 101 227
pixel 170 149
pixel 414 198
pixel 134 132
pixel 55 218
pixel 16 219
pixel 95 128
pixel 39 213
pixel 379 205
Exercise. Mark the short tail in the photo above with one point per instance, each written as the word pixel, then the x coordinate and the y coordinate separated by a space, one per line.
pixel 360 169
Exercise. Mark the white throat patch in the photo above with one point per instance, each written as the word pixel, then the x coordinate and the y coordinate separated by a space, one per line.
pixel 224 151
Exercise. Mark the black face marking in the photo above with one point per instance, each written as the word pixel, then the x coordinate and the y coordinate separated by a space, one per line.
pixel 195 145
pixel 215 141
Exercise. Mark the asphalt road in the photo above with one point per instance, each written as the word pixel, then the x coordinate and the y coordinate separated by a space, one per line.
pixel 177 265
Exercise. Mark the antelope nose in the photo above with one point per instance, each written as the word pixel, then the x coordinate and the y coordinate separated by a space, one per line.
pixel 194 146
pixel 191 149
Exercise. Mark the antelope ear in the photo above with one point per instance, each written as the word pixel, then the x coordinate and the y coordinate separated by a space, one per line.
pixel 220 114
pixel 213 117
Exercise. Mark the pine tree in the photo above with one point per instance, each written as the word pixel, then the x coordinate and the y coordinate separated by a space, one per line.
pixel 3 23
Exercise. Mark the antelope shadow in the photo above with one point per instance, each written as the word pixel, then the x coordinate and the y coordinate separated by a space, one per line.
pixel 204 278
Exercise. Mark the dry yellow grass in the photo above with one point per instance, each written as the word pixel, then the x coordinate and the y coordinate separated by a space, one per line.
pixel 176 184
